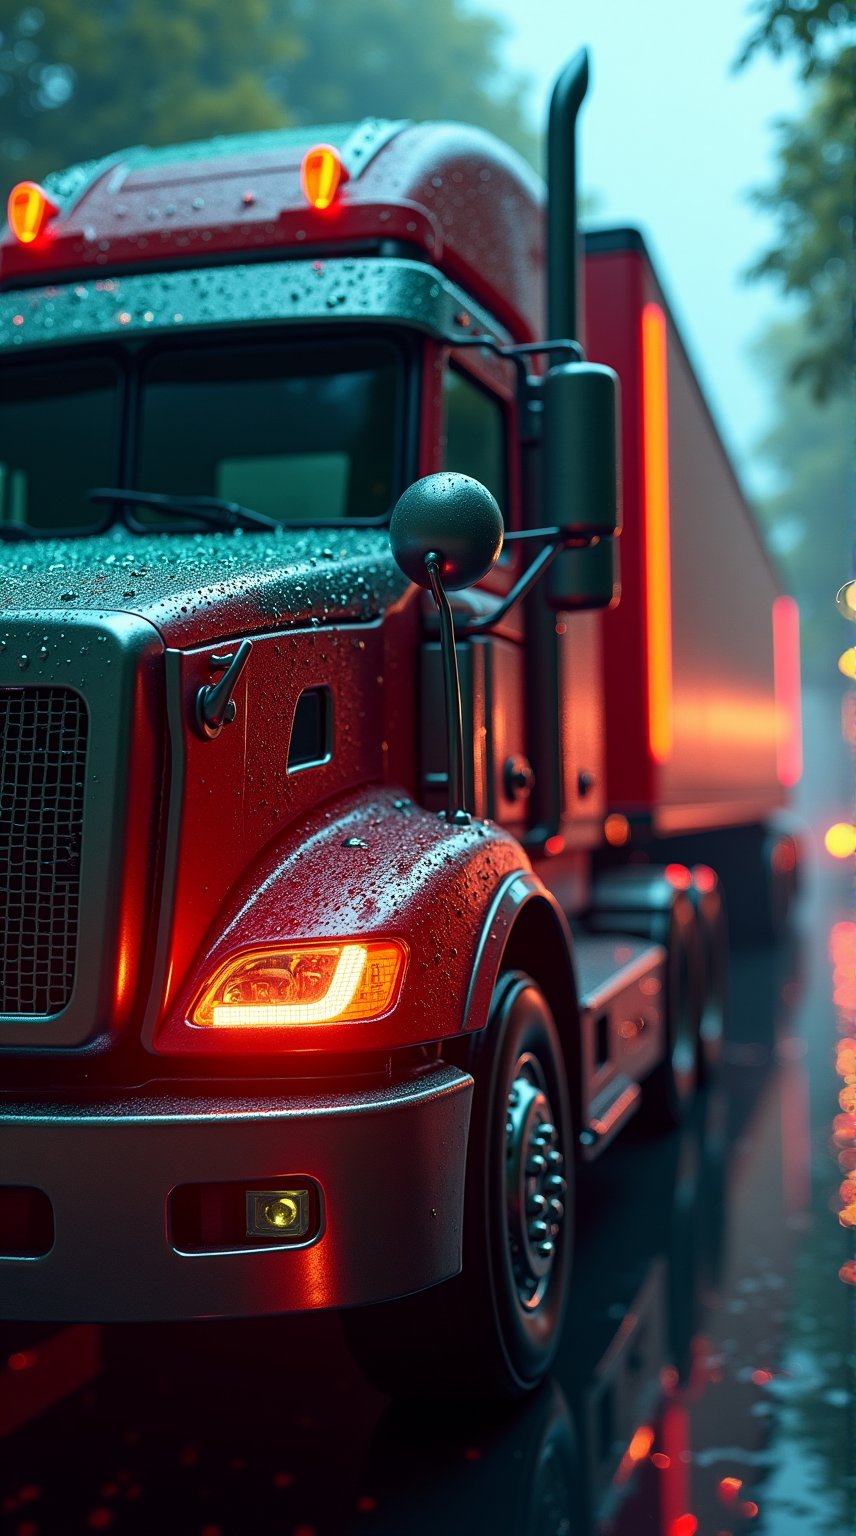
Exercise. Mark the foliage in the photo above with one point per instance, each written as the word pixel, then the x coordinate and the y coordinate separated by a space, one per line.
pixel 811 197
pixel 806 519
pixel 811 202
pixel 387 58
pixel 78 81
pixel 810 28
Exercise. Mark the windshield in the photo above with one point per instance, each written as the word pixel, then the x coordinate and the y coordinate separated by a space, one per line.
pixel 305 431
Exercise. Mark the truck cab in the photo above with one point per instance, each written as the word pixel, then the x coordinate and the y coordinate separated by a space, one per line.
pixel 282 1026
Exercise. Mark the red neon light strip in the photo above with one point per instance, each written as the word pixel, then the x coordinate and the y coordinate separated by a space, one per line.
pixel 658 563
pixel 786 675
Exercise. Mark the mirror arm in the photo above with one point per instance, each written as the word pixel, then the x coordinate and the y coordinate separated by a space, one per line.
pixel 543 560
pixel 457 811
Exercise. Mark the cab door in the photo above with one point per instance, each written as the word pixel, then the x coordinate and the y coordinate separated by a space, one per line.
pixel 478 437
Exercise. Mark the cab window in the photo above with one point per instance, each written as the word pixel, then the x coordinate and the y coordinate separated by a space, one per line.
pixel 304 432
pixel 474 433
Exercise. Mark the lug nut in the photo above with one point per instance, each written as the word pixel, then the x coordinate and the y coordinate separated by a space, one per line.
pixel 557 1210
pixel 544 1133
pixel 555 1158
pixel 536 1205
pixel 556 1184
pixel 536 1163
pixel 546 1249
pixel 538 1230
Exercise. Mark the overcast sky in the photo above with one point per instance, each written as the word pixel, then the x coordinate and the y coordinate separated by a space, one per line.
pixel 672 140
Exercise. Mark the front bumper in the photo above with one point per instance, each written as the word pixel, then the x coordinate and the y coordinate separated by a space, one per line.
pixel 389 1164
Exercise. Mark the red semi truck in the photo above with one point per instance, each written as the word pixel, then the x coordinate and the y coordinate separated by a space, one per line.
pixel 344 920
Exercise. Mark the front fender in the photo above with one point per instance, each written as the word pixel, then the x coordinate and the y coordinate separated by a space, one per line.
pixel 372 864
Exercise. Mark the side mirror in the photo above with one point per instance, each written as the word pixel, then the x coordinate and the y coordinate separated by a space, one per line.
pixel 581 579
pixel 582 482
pixel 446 532
pixel 452 517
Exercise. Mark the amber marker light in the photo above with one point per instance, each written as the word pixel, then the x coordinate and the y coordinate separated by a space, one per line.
pixel 786 682
pixel 321 175
pixel 299 984
pixel 658 556
pixel 29 209
pixel 616 830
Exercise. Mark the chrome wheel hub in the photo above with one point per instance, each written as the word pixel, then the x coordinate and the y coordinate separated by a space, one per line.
pixel 535 1184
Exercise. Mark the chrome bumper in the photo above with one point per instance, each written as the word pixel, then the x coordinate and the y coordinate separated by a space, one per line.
pixel 389 1165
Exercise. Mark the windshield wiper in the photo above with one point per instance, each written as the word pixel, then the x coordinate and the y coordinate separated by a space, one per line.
pixel 208 509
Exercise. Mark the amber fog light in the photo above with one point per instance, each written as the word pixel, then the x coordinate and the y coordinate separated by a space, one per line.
pixel 277 1212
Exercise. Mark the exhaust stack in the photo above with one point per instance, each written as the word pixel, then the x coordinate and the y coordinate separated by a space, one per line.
pixel 563 257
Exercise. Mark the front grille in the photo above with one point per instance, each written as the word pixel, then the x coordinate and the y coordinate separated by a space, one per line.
pixel 42 766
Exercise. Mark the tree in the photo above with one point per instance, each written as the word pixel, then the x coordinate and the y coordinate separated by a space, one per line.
pixel 387 58
pixel 808 358
pixel 811 198
pixel 805 519
pixel 812 29
pixel 78 81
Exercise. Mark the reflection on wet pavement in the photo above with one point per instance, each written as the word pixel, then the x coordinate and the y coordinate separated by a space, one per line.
pixel 703 1387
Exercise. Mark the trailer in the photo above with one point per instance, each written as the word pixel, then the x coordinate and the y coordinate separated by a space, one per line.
pixel 359 854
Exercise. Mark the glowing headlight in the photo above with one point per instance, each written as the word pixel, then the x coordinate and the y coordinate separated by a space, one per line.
pixel 302 984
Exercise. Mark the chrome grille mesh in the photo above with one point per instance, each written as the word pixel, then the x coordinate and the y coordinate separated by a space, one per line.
pixel 43 733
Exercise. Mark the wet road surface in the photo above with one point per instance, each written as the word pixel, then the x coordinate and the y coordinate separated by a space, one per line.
pixel 704 1382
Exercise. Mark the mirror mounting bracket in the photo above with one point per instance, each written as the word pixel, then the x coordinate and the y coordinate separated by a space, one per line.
pixel 457 812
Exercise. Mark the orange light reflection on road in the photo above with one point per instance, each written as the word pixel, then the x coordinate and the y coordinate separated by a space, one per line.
pixel 638 1450
pixel 729 1487
pixel 842 955
pixel 658 559
pixel 685 1525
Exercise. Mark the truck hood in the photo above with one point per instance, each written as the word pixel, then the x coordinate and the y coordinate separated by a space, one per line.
pixel 197 588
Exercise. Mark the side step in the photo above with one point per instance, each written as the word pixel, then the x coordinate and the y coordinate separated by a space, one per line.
pixel 621 983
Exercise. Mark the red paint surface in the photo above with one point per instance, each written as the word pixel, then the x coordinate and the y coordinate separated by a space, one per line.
pixel 458 195
pixel 414 878
pixel 716 763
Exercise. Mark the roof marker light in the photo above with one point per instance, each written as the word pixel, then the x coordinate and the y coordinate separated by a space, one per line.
pixel 29 209
pixel 321 175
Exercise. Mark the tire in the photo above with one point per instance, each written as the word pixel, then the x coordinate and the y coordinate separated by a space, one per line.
pixel 493 1331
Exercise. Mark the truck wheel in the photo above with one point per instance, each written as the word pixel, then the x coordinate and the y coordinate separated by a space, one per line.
pixel 493 1331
